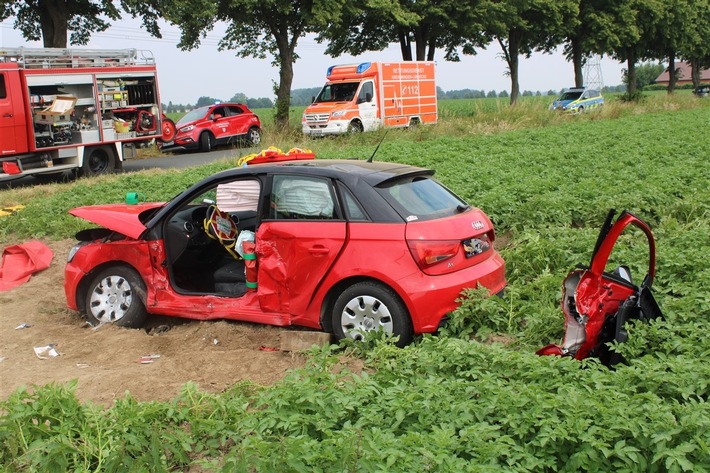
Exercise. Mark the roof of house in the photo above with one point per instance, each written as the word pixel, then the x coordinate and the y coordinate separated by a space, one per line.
pixel 684 75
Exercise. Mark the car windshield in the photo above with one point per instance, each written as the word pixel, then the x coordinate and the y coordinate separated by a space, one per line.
pixel 340 92
pixel 193 115
pixel 421 198
pixel 571 95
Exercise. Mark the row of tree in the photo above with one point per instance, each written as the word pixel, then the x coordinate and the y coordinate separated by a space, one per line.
pixel 630 31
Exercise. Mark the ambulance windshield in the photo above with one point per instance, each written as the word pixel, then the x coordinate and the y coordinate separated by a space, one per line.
pixel 338 92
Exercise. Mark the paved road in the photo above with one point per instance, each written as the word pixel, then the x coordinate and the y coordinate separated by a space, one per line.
pixel 167 161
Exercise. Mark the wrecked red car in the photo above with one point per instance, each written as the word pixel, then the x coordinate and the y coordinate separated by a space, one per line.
pixel 597 304
pixel 344 246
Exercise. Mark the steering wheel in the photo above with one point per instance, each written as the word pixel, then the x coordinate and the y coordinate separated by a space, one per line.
pixel 219 226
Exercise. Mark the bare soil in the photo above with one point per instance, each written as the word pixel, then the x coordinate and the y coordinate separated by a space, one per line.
pixel 107 361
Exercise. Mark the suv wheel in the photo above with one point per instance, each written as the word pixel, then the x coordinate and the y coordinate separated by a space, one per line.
pixel 254 136
pixel 205 142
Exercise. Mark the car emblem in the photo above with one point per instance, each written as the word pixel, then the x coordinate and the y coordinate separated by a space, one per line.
pixel 477 225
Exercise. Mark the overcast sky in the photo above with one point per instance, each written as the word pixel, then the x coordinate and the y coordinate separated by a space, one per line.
pixel 185 76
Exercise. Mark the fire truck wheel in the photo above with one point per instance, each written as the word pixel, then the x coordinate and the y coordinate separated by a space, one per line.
pixel 98 160
pixel 205 142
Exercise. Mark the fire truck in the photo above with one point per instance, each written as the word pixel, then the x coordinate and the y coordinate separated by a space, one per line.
pixel 78 110
pixel 370 95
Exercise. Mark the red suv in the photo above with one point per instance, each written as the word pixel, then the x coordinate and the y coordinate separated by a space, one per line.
pixel 344 246
pixel 218 124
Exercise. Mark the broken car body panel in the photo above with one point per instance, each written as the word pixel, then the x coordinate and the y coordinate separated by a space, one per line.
pixel 596 303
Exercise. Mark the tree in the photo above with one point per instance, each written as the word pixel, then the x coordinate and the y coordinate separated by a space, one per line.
pixel 697 49
pixel 523 26
pixel 647 73
pixel 256 29
pixel 51 20
pixel 428 25
pixel 205 101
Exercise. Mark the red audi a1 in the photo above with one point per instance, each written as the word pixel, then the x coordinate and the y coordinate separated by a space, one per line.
pixel 343 246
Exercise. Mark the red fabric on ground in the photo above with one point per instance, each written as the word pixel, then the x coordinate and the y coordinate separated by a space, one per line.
pixel 19 262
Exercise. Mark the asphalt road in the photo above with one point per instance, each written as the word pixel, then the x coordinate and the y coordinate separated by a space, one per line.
pixel 167 161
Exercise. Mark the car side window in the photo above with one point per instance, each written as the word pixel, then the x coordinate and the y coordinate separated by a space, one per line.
pixel 3 91
pixel 301 197
pixel 235 110
pixel 352 207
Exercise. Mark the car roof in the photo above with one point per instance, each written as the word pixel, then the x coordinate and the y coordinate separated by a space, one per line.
pixel 373 173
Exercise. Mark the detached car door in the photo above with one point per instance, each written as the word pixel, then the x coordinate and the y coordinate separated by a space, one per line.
pixel 301 234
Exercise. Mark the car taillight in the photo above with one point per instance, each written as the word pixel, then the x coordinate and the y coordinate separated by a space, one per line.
pixel 430 252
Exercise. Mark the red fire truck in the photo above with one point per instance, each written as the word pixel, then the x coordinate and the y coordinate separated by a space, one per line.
pixel 79 110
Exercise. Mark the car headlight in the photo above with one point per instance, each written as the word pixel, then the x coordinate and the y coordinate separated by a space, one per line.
pixel 338 114
pixel 74 250
pixel 186 128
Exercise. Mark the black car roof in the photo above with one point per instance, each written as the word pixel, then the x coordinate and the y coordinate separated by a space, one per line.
pixel 374 173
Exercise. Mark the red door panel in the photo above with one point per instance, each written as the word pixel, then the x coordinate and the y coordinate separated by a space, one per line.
pixel 294 257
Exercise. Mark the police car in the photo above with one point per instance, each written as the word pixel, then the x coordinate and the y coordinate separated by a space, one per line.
pixel 578 99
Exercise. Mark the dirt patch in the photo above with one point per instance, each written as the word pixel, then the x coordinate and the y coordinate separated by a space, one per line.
pixel 106 361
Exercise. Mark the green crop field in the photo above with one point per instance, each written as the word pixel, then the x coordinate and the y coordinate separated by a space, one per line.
pixel 474 398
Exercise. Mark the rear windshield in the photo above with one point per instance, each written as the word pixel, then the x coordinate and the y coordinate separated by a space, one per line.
pixel 421 198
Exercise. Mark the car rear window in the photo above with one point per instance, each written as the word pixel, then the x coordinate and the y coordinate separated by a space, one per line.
pixel 421 198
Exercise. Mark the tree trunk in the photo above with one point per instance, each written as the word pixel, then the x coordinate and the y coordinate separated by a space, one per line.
pixel 421 40
pixel 631 74
pixel 283 88
pixel 405 45
pixel 432 48
pixel 53 23
pixel 578 62
pixel 695 68
pixel 672 77
pixel 513 59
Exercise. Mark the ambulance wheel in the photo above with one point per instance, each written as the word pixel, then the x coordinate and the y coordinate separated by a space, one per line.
pixel 367 307
pixel 115 296
pixel 205 142
pixel 355 127
pixel 98 160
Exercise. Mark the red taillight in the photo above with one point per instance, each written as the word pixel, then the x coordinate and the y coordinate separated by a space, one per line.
pixel 430 252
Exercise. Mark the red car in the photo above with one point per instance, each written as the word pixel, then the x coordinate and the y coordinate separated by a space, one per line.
pixel 344 246
pixel 218 124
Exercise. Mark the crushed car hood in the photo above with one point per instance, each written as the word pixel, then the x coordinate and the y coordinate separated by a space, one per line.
pixel 121 218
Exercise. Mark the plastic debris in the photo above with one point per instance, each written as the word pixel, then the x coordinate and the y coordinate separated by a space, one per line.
pixel 265 348
pixel 146 359
pixel 48 351
pixel 23 326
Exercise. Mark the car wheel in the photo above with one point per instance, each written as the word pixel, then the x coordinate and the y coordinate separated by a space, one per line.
pixel 355 127
pixel 114 297
pixel 254 136
pixel 98 160
pixel 580 110
pixel 205 142
pixel 367 307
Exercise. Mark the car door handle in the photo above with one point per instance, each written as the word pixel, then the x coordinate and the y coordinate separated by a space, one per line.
pixel 7 115
pixel 319 250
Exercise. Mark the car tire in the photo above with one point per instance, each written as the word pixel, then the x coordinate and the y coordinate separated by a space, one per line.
pixel 355 127
pixel 115 295
pixel 369 306
pixel 580 110
pixel 205 142
pixel 254 136
pixel 98 160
